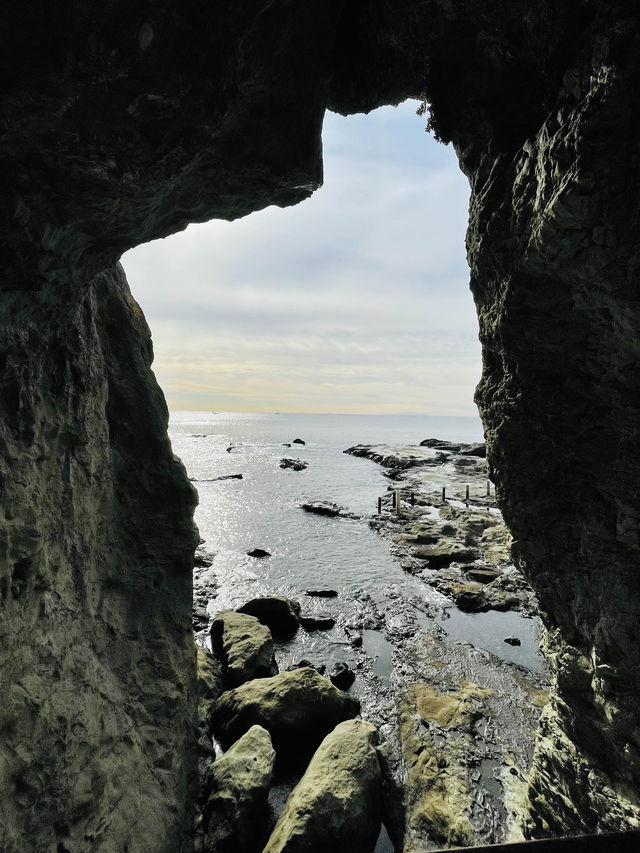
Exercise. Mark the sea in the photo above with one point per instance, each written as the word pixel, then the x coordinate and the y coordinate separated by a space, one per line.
pixel 263 510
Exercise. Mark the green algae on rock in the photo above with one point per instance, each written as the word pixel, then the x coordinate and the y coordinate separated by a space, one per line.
pixel 235 815
pixel 336 805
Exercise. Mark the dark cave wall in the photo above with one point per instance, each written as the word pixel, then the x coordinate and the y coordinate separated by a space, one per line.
pixel 124 123
pixel 554 258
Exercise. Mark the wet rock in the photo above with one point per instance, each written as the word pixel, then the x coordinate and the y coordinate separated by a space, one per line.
pixel 438 443
pixel 235 816
pixel 317 621
pixel 245 646
pixel 320 668
pixel 336 804
pixel 199 617
pixel 216 479
pixel 513 641
pixel 322 593
pixel 259 553
pixel 280 615
pixel 293 464
pixel 443 555
pixel 298 441
pixel 210 685
pixel 481 575
pixel 201 562
pixel 326 508
pixel 479 450
pixel 297 708
pixel 470 598
pixel 342 676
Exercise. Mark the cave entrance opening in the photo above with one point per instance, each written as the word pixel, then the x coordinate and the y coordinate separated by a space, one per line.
pixel 349 312
pixel 298 332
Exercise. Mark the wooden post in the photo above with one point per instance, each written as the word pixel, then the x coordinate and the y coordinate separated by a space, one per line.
pixel 397 499
pixel 444 490
pixel 379 506
pixel 488 488
pixel 466 497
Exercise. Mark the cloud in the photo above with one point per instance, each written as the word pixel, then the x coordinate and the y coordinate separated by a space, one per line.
pixel 355 300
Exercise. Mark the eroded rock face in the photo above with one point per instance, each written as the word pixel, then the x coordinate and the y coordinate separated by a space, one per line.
pixel 97 662
pixel 554 265
pixel 122 122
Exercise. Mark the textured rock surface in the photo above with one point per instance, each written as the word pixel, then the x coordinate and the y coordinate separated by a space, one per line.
pixel 336 804
pixel 97 662
pixel 235 816
pixel 244 646
pixel 297 708
pixel 280 615
pixel 122 122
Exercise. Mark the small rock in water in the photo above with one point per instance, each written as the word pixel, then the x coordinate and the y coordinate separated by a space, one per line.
pixel 320 669
pixel 286 444
pixel 513 641
pixel 317 621
pixel 258 552
pixel 280 615
pixel 201 562
pixel 322 593
pixel 341 676
pixel 297 441
pixel 328 509
pixel 293 464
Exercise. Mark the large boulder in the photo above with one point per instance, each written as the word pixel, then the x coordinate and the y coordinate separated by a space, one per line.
pixel 280 615
pixel 336 805
pixel 236 813
pixel 245 646
pixel 297 708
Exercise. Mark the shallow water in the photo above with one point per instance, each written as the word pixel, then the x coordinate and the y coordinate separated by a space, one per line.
pixel 262 510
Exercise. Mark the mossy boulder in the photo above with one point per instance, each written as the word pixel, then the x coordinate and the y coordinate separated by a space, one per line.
pixel 244 645
pixel 336 805
pixel 297 708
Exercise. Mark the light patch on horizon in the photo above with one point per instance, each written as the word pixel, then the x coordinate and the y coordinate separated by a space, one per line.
pixel 355 301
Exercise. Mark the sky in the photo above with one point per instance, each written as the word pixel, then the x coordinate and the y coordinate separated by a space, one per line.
pixel 354 301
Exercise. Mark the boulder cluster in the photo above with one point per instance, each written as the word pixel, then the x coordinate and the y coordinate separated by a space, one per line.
pixel 273 725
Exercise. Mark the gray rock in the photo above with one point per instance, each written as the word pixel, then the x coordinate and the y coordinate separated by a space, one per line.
pixel 245 646
pixel 280 615
pixel 326 508
pixel 293 464
pixel 259 553
pixel 322 593
pixel 297 708
pixel 235 816
pixel 342 676
pixel 317 621
pixel 479 450
pixel 298 441
pixel 336 805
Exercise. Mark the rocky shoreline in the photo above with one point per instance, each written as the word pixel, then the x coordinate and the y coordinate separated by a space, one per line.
pixel 450 727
